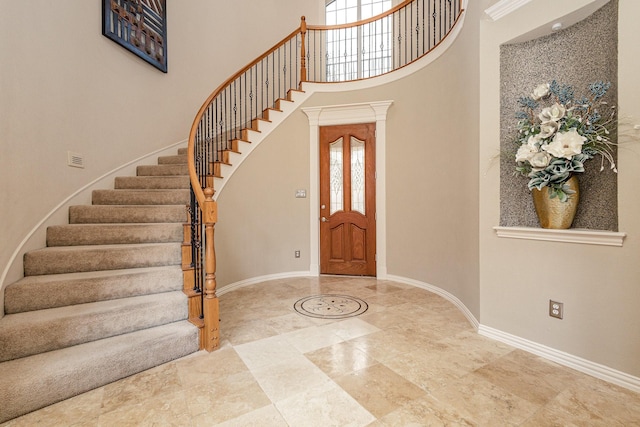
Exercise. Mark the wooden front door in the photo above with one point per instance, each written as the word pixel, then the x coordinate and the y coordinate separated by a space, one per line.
pixel 347 200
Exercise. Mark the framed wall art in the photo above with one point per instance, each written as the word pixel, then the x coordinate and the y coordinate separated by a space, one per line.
pixel 139 26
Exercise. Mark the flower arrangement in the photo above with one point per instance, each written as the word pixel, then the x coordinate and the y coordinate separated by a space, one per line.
pixel 567 131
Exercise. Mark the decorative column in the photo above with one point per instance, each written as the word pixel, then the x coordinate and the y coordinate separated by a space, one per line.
pixel 211 305
pixel 303 51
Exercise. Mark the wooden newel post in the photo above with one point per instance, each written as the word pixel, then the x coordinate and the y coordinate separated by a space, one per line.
pixel 303 51
pixel 211 304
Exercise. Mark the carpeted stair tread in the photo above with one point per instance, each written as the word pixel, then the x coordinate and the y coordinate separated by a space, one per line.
pixel 101 214
pixel 34 382
pixel 104 300
pixel 183 151
pixel 162 170
pixel 141 197
pixel 71 259
pixel 173 160
pixel 26 334
pixel 113 234
pixel 59 290
pixel 151 182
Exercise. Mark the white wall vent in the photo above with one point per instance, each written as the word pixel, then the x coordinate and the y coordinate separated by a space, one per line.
pixel 75 160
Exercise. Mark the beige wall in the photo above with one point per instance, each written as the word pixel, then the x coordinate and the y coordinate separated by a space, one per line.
pixel 431 169
pixel 65 87
pixel 260 222
pixel 598 285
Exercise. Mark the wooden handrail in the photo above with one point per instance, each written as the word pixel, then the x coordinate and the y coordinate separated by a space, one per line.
pixel 193 176
pixel 304 27
pixel 220 117
pixel 327 28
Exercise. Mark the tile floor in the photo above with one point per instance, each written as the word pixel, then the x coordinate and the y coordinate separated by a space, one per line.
pixel 411 360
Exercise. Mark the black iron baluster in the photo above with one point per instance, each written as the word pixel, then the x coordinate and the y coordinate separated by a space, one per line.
pixel 200 262
pixel 250 97
pixel 297 67
pixel 423 29
pixel 440 21
pixel 259 110
pixel 399 39
pixel 417 29
pixel 410 29
pixel 193 209
pixel 434 22
pixel 235 113
pixel 273 82
pixel 243 80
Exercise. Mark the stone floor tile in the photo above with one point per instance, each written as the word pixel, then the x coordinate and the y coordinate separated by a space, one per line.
pixel 379 389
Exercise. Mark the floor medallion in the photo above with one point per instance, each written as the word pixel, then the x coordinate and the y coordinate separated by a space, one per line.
pixel 330 306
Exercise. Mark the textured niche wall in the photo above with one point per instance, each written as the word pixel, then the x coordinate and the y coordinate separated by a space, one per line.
pixel 577 56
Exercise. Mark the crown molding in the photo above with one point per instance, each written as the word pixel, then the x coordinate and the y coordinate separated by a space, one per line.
pixel 504 7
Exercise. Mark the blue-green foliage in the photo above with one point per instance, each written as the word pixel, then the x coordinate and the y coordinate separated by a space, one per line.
pixel 578 115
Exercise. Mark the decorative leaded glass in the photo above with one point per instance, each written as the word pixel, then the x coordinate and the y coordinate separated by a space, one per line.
pixel 357 176
pixel 336 200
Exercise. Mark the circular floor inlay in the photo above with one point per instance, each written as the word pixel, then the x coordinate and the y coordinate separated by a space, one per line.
pixel 331 306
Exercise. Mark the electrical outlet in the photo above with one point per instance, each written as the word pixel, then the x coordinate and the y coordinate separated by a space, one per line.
pixel 297 254
pixel 556 309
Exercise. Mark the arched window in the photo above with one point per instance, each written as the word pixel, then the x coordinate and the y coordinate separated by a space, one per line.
pixel 345 11
pixel 361 52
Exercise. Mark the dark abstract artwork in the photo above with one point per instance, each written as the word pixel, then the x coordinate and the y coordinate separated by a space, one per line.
pixel 140 26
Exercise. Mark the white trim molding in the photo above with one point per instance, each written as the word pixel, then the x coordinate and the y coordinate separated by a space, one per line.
pixel 438 291
pixel 579 364
pixel 329 115
pixel 255 280
pixel 411 282
pixel 503 8
pixel 588 367
pixel 582 236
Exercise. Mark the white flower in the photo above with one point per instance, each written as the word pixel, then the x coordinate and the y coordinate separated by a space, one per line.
pixel 541 91
pixel 566 144
pixel 527 149
pixel 540 160
pixel 553 113
pixel 547 129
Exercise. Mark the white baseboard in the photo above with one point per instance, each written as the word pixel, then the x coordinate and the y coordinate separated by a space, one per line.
pixel 579 364
pixel 438 291
pixel 254 280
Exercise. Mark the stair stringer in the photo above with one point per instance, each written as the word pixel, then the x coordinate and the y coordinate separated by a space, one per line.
pixel 262 129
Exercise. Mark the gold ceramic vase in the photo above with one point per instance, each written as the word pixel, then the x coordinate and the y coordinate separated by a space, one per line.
pixel 552 213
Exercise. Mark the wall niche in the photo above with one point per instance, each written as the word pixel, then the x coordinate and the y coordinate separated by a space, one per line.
pixel 577 55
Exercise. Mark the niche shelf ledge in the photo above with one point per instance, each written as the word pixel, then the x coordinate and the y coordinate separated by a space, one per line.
pixel 582 236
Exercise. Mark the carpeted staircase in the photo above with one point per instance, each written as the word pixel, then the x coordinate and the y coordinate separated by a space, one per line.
pixel 104 299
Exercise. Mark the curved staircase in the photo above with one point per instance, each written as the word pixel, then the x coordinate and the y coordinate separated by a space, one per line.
pixel 104 299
